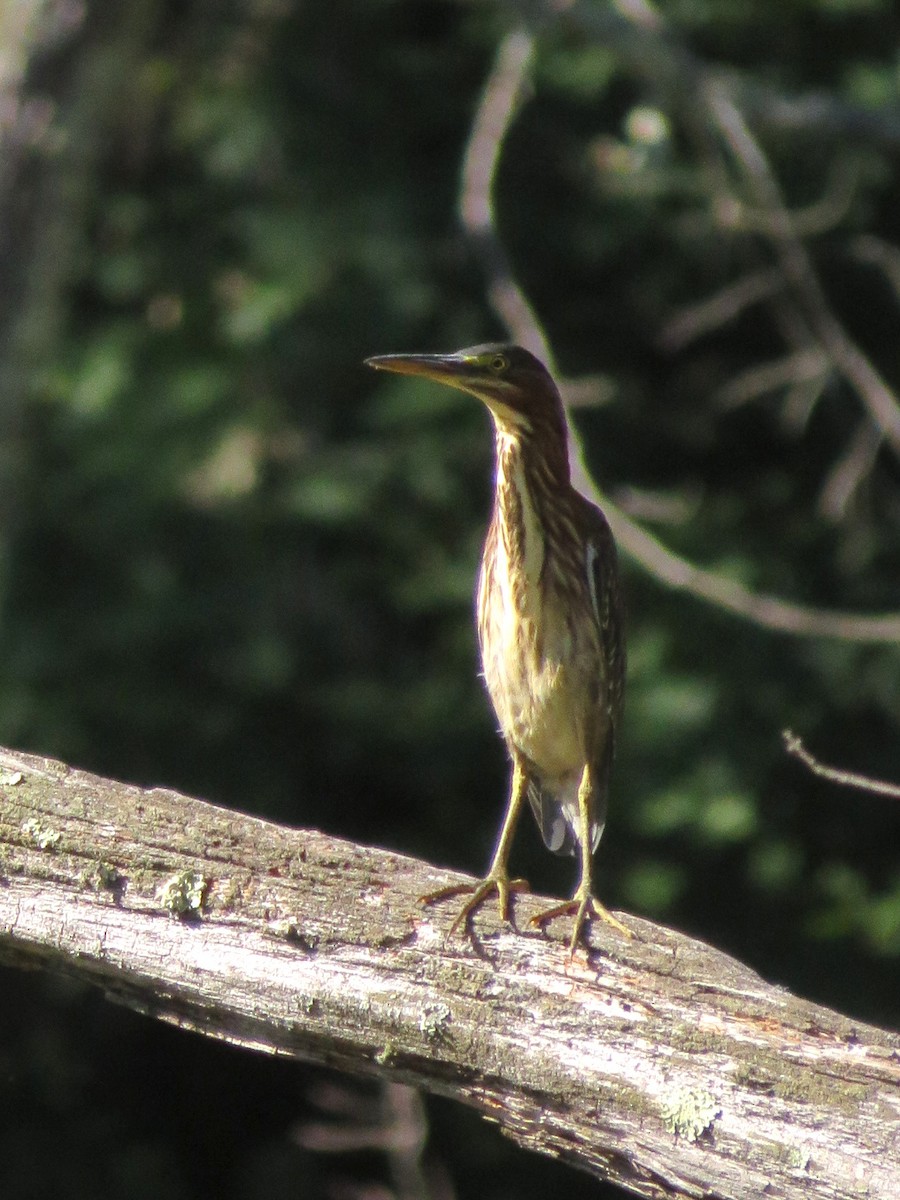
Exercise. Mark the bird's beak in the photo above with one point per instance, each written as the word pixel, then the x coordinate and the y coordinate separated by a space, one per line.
pixel 453 369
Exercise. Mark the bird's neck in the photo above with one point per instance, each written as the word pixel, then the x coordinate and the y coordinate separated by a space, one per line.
pixel 532 486
pixel 538 451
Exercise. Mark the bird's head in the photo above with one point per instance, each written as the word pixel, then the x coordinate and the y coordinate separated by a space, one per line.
pixel 515 386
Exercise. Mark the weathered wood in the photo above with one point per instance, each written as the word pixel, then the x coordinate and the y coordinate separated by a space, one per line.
pixel 659 1063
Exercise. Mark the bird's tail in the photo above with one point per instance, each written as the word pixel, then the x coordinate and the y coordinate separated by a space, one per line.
pixel 555 808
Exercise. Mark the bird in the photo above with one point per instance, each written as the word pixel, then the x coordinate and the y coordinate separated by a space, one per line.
pixel 550 624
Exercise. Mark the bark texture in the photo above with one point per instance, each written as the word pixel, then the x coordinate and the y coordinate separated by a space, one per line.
pixel 658 1063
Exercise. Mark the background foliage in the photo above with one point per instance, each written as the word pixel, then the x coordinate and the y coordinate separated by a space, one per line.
pixel 235 563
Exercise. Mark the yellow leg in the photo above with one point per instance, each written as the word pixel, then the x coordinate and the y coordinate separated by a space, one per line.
pixel 497 879
pixel 583 904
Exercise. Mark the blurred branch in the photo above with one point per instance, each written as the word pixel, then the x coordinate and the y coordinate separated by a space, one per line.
pixel 755 607
pixel 879 787
pixel 656 1062
pixel 696 320
pixel 818 217
pixel 821 341
pixel 648 44
pixel 802 366
pixel 499 103
pixel 392 1122
pixel 876 252
pixel 843 353
pixel 641 37
pixel 849 471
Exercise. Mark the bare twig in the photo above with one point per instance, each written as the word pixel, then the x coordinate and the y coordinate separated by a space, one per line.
pixel 500 101
pixel 769 612
pixel 391 1121
pixel 818 217
pixel 876 252
pixel 833 206
pixel 847 358
pixel 880 787
pixel 846 476
pixel 659 506
pixel 648 44
pixel 800 400
pixel 695 320
pixel 803 366
pixel 642 13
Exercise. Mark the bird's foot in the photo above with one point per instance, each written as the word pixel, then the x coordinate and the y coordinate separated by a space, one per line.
pixel 499 883
pixel 584 906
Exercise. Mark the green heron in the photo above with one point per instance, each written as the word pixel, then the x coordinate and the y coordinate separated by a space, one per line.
pixel 549 622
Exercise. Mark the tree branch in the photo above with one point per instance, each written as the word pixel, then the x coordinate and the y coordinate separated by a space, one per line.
pixel 769 612
pixel 500 100
pixel 866 783
pixel 845 355
pixel 659 1063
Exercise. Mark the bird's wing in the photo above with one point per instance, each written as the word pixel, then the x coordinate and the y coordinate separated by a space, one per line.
pixel 557 813
pixel 603 580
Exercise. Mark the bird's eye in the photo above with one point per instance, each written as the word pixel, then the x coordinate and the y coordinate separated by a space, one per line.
pixel 499 364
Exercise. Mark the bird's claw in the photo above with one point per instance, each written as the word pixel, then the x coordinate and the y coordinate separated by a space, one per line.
pixel 584 906
pixel 501 884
